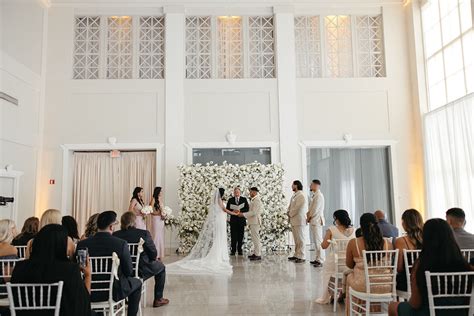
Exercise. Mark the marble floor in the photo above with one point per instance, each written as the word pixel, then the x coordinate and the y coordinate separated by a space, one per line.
pixel 273 286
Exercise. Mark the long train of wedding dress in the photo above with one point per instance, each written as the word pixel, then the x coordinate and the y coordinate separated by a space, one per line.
pixel 210 254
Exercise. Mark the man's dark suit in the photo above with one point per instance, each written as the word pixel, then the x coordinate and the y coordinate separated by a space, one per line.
pixel 237 224
pixel 104 244
pixel 148 265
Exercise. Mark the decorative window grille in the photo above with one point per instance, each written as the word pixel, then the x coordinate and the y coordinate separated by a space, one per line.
pixel 230 42
pixel 198 47
pixel 151 52
pixel 229 47
pixel 261 51
pixel 308 46
pixel 339 46
pixel 370 51
pixel 87 48
pixel 119 47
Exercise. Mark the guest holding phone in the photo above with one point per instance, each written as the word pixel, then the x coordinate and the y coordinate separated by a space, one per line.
pixel 48 263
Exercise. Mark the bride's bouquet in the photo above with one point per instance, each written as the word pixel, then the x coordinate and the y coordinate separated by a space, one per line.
pixel 166 211
pixel 147 210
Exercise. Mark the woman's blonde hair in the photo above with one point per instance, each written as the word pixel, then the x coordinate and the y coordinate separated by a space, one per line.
pixel 51 216
pixel 6 230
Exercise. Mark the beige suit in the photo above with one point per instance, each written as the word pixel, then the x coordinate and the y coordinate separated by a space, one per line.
pixel 315 217
pixel 254 221
pixel 297 214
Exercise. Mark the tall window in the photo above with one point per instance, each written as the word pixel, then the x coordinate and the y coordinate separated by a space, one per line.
pixel 339 46
pixel 449 50
pixel 229 47
pixel 118 47
pixel 239 156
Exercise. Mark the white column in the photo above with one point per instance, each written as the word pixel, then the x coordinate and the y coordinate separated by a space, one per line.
pixel 174 100
pixel 290 151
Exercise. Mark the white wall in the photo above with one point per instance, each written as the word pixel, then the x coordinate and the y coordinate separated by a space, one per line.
pixel 20 77
pixel 89 111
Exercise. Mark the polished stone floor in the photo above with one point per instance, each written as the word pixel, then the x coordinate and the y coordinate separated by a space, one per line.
pixel 273 286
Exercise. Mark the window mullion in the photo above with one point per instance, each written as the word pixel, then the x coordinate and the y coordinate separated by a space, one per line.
pixel 322 33
pixel 245 40
pixel 103 47
pixel 355 47
pixel 214 48
pixel 135 46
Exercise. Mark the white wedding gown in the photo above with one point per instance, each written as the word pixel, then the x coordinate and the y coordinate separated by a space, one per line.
pixel 210 254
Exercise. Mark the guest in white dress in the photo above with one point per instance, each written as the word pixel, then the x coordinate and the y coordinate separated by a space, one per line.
pixel 136 206
pixel 342 229
pixel 158 222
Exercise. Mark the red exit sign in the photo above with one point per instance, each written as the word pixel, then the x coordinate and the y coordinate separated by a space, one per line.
pixel 52 181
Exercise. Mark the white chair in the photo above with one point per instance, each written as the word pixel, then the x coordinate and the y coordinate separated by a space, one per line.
pixel 338 248
pixel 34 297
pixel 136 250
pixel 451 287
pixel 6 269
pixel 468 254
pixel 104 271
pixel 380 270
pixel 409 258
pixel 21 250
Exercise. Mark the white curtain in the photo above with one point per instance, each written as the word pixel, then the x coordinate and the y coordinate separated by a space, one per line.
pixel 356 180
pixel 102 183
pixel 449 145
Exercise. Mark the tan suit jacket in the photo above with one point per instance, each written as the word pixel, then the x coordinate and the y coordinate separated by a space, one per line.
pixel 255 210
pixel 296 209
pixel 316 209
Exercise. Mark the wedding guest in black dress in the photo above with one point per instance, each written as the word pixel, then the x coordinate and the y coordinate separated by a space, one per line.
pixel 48 263
pixel 29 230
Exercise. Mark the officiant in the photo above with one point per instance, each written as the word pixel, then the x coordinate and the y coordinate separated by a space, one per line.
pixel 237 224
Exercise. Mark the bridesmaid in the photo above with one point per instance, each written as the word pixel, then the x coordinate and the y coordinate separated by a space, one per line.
pixel 136 205
pixel 158 222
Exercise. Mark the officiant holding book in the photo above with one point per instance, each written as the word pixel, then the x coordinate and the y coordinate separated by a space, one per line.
pixel 237 224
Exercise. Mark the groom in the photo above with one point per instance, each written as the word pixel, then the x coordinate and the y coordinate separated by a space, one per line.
pixel 237 224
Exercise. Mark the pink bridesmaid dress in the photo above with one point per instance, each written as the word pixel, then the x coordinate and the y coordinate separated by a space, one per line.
pixel 140 221
pixel 159 234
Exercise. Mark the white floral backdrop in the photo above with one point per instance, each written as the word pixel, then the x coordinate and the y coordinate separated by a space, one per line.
pixel 197 182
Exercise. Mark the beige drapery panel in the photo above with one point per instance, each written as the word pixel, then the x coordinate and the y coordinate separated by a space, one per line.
pixel 102 183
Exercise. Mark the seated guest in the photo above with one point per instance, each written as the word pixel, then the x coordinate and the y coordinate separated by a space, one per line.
pixel 149 265
pixel 70 224
pixel 7 232
pixel 412 223
pixel 388 230
pixel 7 251
pixel 51 216
pixel 456 218
pixel 91 226
pixel 371 240
pixel 48 263
pixel 342 229
pixel 440 253
pixel 104 244
pixel 29 230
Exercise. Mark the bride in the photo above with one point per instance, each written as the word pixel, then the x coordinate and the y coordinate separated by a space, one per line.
pixel 210 254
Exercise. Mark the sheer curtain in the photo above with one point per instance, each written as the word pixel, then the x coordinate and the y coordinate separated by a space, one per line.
pixel 449 145
pixel 103 183
pixel 356 180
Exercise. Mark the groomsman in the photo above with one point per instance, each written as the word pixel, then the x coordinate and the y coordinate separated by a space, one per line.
pixel 315 219
pixel 253 216
pixel 297 215
pixel 237 224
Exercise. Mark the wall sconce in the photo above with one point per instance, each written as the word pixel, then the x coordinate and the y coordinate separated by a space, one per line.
pixel 231 137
